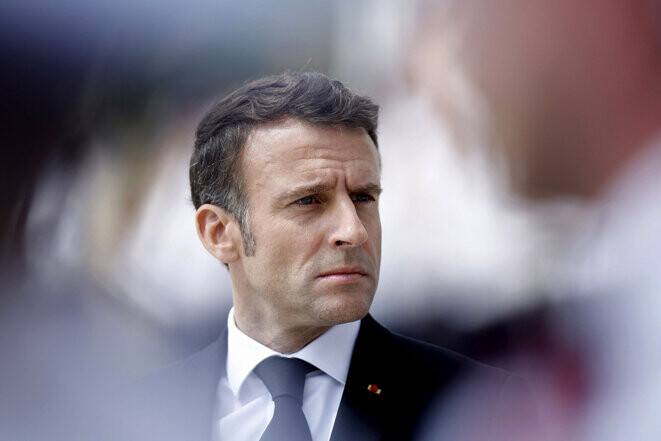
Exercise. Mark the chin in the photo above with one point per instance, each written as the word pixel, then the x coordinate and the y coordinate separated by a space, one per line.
pixel 344 308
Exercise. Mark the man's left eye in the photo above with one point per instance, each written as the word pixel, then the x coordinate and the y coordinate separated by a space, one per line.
pixel 361 197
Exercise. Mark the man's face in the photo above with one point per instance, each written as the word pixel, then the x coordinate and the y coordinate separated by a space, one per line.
pixel 313 194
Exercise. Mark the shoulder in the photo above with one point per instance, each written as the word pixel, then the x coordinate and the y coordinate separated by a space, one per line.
pixel 175 402
pixel 408 354
pixel 448 395
pixel 190 369
pixel 193 379
pixel 432 355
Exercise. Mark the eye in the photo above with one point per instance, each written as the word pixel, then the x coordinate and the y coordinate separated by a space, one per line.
pixel 307 200
pixel 361 197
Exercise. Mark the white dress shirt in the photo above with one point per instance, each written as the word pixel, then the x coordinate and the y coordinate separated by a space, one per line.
pixel 243 404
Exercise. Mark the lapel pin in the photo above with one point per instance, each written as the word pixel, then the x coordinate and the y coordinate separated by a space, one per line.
pixel 374 389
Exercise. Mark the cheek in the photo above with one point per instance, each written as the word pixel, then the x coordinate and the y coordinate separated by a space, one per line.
pixel 289 248
pixel 377 246
pixel 373 226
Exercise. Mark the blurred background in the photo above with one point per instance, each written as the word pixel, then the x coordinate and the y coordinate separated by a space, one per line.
pixel 102 274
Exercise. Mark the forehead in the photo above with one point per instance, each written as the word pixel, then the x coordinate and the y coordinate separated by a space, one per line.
pixel 294 149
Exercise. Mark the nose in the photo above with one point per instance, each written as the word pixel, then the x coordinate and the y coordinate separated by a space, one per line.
pixel 348 230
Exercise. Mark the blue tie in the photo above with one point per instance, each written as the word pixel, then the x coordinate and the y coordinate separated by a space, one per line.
pixel 285 379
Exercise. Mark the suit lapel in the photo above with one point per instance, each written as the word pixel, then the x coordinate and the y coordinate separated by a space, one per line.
pixel 362 412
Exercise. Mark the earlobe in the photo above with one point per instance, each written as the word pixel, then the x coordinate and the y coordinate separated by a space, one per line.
pixel 216 229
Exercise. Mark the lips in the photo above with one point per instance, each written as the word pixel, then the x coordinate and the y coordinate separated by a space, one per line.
pixel 344 274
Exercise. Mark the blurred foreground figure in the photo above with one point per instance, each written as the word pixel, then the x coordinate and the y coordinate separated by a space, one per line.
pixel 285 176
pixel 569 94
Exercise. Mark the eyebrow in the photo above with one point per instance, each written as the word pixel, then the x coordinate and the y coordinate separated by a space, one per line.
pixel 369 188
pixel 304 190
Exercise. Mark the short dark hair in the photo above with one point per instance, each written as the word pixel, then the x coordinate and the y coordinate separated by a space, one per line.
pixel 215 165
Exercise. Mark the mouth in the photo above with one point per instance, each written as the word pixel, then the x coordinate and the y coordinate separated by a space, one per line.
pixel 344 274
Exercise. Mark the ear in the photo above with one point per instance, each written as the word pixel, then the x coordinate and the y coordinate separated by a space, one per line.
pixel 219 232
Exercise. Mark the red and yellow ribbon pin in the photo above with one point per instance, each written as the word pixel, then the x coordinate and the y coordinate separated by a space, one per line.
pixel 374 389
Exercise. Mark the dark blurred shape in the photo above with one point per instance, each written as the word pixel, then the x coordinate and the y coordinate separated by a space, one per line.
pixel 38 106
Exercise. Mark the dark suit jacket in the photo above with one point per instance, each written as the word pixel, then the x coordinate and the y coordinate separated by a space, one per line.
pixel 426 392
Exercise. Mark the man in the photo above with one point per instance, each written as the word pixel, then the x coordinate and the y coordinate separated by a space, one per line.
pixel 285 177
pixel 574 97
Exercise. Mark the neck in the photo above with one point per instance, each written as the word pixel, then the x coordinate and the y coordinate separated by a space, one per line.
pixel 273 333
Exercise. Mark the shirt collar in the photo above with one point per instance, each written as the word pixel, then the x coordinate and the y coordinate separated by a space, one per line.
pixel 330 352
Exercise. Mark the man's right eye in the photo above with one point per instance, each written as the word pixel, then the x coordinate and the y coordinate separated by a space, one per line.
pixel 308 200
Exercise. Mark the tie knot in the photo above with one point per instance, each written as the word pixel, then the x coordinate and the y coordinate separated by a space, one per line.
pixel 284 376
